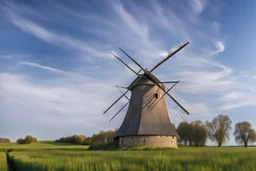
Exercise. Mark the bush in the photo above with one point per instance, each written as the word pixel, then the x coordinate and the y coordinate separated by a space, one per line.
pixel 27 140
pixel 4 140
pixel 110 146
pixel 75 139
pixel 20 141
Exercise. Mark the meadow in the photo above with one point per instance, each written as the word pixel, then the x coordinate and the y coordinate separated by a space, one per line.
pixel 42 145
pixel 79 158
pixel 3 162
pixel 51 156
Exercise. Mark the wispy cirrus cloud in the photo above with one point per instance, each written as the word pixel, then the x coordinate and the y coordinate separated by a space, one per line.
pixel 42 67
pixel 52 37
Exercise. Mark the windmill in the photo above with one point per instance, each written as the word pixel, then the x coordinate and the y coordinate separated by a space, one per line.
pixel 147 122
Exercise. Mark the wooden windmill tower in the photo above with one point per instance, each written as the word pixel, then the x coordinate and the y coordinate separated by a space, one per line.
pixel 147 122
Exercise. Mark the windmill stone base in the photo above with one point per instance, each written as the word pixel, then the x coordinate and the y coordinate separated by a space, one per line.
pixel 150 141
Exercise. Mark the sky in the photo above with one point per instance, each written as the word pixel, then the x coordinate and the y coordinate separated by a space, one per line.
pixel 57 75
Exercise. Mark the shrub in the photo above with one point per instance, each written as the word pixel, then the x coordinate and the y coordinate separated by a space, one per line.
pixel 4 140
pixel 27 140
pixel 20 141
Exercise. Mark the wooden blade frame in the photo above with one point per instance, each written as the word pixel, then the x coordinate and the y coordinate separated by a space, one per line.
pixel 124 63
pixel 123 106
pixel 133 60
pixel 169 56
pixel 115 102
pixel 122 91
pixel 119 111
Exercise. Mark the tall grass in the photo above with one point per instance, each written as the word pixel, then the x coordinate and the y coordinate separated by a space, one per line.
pixel 42 145
pixel 3 162
pixel 219 159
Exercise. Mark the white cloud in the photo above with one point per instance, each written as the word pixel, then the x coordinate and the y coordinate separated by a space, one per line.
pixel 239 104
pixel 232 96
pixel 83 103
pixel 198 5
pixel 220 47
pixel 6 57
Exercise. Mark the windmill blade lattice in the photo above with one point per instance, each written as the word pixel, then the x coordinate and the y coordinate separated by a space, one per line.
pixel 132 68
pixel 117 107
pixel 162 57
pixel 176 113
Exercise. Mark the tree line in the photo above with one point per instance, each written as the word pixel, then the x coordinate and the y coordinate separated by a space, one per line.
pixel 103 137
pixel 218 130
pixel 193 133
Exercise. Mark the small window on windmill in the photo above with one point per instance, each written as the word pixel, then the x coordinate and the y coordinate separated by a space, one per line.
pixel 156 95
pixel 132 137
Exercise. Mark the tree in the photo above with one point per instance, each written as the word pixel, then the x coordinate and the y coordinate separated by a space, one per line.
pixel 20 141
pixel 194 133
pixel 4 140
pixel 78 139
pixel 27 140
pixel 88 141
pixel 182 130
pixel 244 133
pixel 218 129
pixel 103 137
pixel 198 133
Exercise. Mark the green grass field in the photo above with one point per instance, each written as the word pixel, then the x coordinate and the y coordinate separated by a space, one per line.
pixel 49 156
pixel 42 145
pixel 3 162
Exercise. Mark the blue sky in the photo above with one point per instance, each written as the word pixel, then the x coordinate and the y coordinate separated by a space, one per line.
pixel 57 75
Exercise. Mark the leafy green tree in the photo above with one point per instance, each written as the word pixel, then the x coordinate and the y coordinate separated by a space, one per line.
pixel 182 130
pixel 20 141
pixel 4 140
pixel 27 140
pixel 219 128
pixel 244 133
pixel 193 133
pixel 103 137
pixel 199 133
